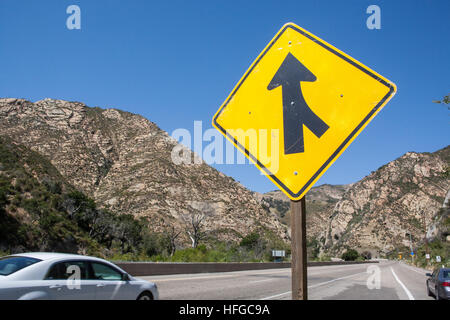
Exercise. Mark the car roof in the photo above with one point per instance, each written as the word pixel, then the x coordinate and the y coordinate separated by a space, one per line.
pixel 52 255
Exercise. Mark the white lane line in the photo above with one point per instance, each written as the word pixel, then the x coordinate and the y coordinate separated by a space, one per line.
pixel 257 281
pixel 411 268
pixel 277 295
pixel 408 293
pixel 239 273
pixel 315 285
pixel 190 278
pixel 242 273
pixel 337 279
pixel 212 276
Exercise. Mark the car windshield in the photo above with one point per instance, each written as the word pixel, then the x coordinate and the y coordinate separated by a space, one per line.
pixel 446 274
pixel 9 265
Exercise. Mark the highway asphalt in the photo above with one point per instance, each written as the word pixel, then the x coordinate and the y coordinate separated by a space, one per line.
pixel 387 280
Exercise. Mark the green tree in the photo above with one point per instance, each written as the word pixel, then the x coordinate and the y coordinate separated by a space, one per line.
pixel 350 255
pixel 445 100
pixel 250 241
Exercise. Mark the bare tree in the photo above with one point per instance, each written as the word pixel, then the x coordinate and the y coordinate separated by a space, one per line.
pixel 172 235
pixel 195 224
pixel 69 206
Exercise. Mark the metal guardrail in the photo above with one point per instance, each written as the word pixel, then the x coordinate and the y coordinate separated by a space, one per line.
pixel 167 268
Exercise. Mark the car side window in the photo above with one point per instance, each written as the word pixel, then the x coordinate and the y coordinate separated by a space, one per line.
pixel 68 269
pixel 105 272
pixel 435 274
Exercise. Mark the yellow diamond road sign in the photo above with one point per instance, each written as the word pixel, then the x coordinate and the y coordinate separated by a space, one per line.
pixel 299 106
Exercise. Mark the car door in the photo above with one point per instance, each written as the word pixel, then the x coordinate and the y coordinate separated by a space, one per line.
pixel 109 283
pixel 438 281
pixel 69 280
pixel 432 281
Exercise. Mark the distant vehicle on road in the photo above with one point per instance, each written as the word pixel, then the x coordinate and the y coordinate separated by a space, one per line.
pixel 438 283
pixel 59 276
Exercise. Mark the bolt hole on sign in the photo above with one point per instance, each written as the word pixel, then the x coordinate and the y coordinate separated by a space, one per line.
pixel 299 106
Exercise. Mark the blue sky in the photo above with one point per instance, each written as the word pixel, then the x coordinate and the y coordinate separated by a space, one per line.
pixel 175 62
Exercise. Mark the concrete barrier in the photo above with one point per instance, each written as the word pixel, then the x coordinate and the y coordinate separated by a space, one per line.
pixel 166 268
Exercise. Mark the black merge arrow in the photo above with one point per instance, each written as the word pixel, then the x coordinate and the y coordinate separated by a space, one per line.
pixel 296 112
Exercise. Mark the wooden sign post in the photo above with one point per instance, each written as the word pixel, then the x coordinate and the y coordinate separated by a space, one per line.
pixel 298 251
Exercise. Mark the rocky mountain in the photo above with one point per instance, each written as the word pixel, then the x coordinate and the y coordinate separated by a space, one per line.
pixel 123 161
pixel 31 196
pixel 437 242
pixel 320 202
pixel 378 213
pixel 41 211
pixel 440 224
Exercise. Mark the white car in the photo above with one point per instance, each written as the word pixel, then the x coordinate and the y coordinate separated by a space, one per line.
pixel 59 276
